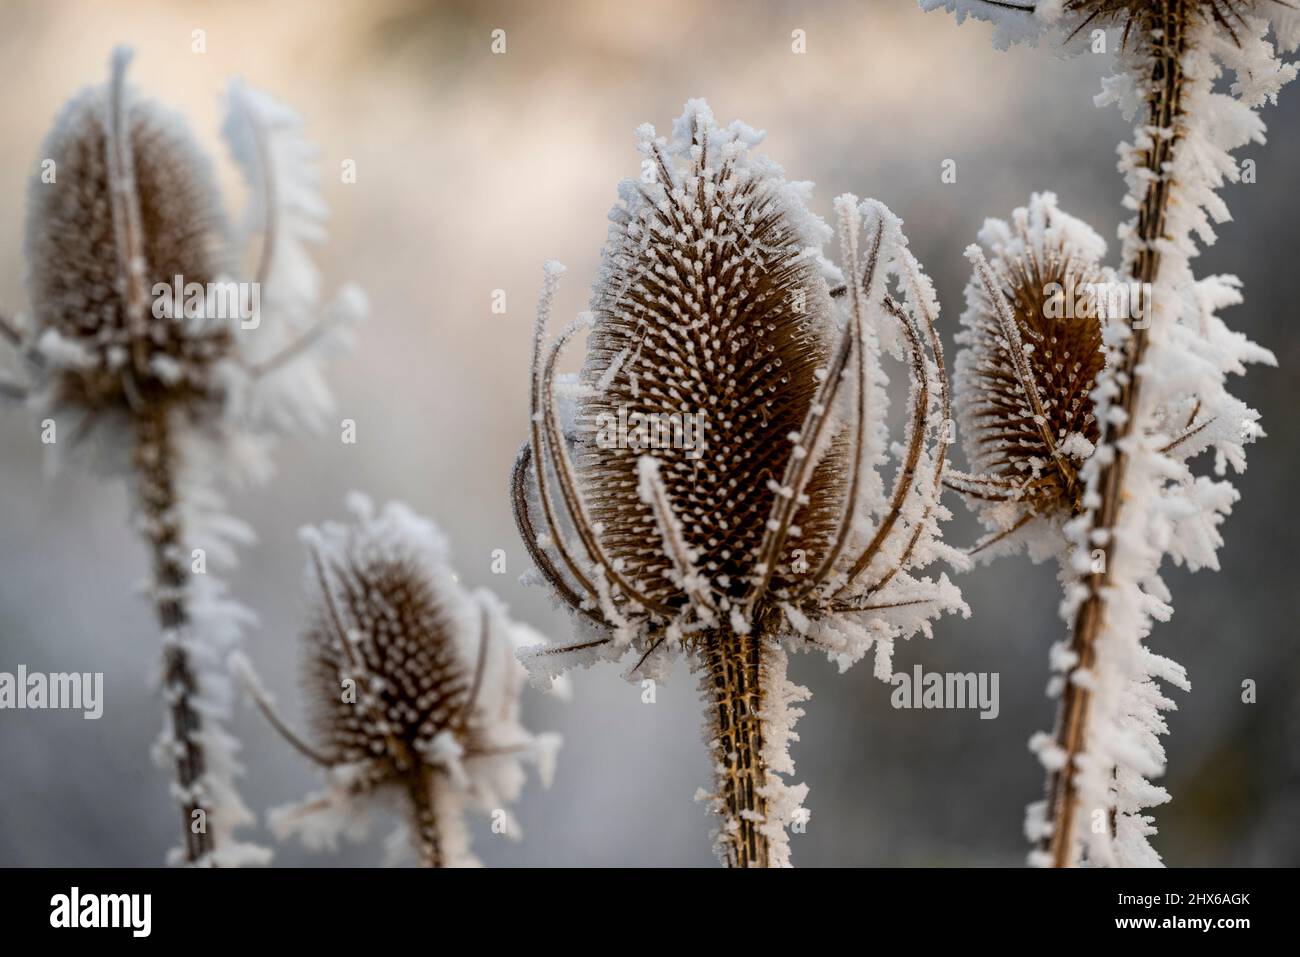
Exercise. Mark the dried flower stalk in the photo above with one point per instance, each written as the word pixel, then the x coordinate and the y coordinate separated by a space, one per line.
pixel 171 383
pixel 1159 401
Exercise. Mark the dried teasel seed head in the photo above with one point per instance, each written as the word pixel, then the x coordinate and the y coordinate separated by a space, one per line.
pixel 720 465
pixel 1031 353
pixel 711 311
pixel 398 651
pixel 132 203
pixel 412 683
pixel 390 654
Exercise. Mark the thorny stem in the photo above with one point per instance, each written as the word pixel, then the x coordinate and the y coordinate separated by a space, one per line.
pixel 733 682
pixel 155 468
pixel 424 818
pixel 1166 38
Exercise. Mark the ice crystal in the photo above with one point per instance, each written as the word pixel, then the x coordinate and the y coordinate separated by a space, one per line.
pixel 1016 21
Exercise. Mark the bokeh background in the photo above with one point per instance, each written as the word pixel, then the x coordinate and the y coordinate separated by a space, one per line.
pixel 473 169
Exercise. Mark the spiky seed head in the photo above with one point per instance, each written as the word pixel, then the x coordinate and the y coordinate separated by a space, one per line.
pixel 413 687
pixel 1047 265
pixel 712 313
pixel 389 655
pixel 132 202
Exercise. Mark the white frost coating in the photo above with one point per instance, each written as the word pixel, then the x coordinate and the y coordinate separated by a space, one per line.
pixel 779 714
pixel 214 632
pixel 1010 25
pixel 1026 21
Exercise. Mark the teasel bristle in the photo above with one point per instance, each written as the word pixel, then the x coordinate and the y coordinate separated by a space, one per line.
pixel 410 682
pixel 715 311
pixel 1032 349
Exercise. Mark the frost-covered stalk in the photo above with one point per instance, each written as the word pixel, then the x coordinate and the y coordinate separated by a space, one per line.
pixel 713 485
pixel 413 689
pixel 734 672
pixel 139 332
pixel 1162 37
pixel 155 466
pixel 1180 155
pixel 1160 400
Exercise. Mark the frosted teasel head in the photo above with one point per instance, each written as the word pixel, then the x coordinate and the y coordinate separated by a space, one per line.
pixel 412 686
pixel 1031 353
pixel 714 301
pixel 1034 346
pixel 143 295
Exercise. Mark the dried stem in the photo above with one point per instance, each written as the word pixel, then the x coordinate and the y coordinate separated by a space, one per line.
pixel 1165 27
pixel 733 682
pixel 424 818
pixel 155 467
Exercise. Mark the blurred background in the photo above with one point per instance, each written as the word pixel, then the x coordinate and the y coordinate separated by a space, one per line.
pixel 474 168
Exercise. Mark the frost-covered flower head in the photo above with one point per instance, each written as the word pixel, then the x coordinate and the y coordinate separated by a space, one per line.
pixel 411 683
pixel 136 278
pixel 743 490
pixel 713 476
pixel 133 200
pixel 1032 352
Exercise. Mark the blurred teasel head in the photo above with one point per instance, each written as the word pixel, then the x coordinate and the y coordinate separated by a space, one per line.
pixel 412 687
pixel 132 202
pixel 144 295
pixel 1031 354
pixel 710 482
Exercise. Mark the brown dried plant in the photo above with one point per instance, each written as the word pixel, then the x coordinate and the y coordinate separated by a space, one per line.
pixel 1130 499
pixel 411 685
pixel 180 390
pixel 771 527
pixel 1031 353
